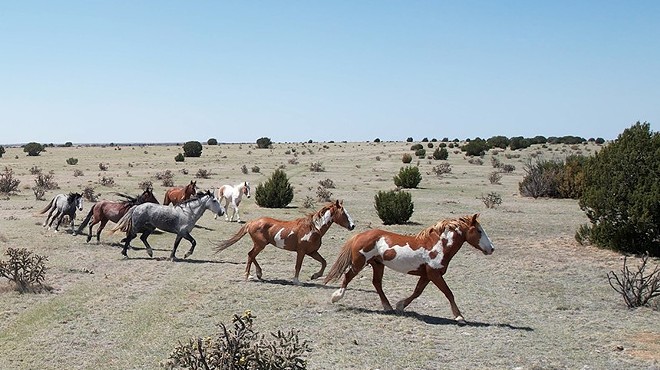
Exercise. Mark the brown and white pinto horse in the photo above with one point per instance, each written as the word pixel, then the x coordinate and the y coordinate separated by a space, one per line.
pixel 426 255
pixel 302 235
pixel 179 194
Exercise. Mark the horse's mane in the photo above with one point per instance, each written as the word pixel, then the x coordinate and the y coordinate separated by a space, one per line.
pixel 72 197
pixel 127 198
pixel 197 196
pixel 439 227
pixel 312 217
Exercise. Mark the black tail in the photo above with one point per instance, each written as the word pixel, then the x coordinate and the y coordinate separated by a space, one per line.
pixel 86 220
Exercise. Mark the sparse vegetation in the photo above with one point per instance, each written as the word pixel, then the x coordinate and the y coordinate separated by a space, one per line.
pixel 495 177
pixel 406 158
pixel 394 207
pixel 241 347
pixel 39 193
pixel 26 271
pixel 408 177
pixel 636 287
pixel 441 169
pixel 440 154
pixel 72 161
pixel 8 184
pixel 89 194
pixel 323 194
pixel 179 158
pixel 108 181
pixel 203 173
pixel 492 199
pixel 77 172
pixel 327 183
pixel 46 181
pixel 316 167
pixel 104 166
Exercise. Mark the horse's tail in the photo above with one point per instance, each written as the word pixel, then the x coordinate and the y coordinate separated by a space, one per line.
pixel 231 241
pixel 125 223
pixel 50 204
pixel 344 260
pixel 86 220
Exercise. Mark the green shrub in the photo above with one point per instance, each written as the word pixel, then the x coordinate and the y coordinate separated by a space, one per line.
pixel 415 147
pixel 541 179
pixel 408 177
pixel 621 192
pixel 440 154
pixel 498 142
pixel 179 157
pixel 33 149
pixel 241 348
pixel 476 147
pixel 25 270
pixel 277 192
pixel 212 141
pixel 571 179
pixel 264 143
pixel 192 149
pixel 72 161
pixel 519 142
pixel 393 207
pixel 406 158
pixel 420 153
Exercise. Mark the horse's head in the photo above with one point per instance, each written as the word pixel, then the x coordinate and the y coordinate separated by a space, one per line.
pixel 477 237
pixel 191 188
pixel 341 217
pixel 211 202
pixel 78 200
pixel 246 189
pixel 147 196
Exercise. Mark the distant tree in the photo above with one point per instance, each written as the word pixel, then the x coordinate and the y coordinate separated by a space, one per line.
pixel 519 142
pixel 476 147
pixel 192 149
pixel 498 142
pixel 212 141
pixel 440 154
pixel 33 149
pixel 2 150
pixel 600 140
pixel 425 140
pixel 264 143
pixel 68 144
pixel 538 140
pixel 410 139
pixel 376 140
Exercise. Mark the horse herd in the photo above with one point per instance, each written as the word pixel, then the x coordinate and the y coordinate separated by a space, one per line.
pixel 426 254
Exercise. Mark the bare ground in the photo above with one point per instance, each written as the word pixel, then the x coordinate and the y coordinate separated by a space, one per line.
pixel 539 302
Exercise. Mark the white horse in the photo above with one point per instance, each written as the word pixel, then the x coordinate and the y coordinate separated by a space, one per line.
pixel 65 205
pixel 179 220
pixel 232 195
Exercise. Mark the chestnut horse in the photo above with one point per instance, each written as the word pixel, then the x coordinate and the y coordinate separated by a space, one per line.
pixel 179 194
pixel 302 235
pixel 426 255
pixel 108 210
pixel 232 195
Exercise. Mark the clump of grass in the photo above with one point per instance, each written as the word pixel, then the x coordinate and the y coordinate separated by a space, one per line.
pixel 492 199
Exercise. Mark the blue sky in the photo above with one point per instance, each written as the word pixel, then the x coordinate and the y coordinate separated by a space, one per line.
pixel 171 71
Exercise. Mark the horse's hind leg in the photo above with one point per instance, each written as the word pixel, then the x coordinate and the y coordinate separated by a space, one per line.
pixel 192 241
pixel 52 209
pixel 144 237
pixel 98 231
pixel 50 224
pixel 348 276
pixel 252 258
pixel 421 284
pixel 377 281
pixel 317 256
pixel 127 241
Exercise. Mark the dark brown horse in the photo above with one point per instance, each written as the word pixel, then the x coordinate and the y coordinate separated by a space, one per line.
pixel 179 194
pixel 426 255
pixel 108 210
pixel 302 235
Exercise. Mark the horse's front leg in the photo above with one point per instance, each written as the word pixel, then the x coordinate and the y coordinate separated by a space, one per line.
pixel 192 241
pixel 56 215
pixel 439 281
pixel 176 245
pixel 421 284
pixel 299 260
pixel 238 216
pixel 73 224
pixel 59 221
pixel 317 256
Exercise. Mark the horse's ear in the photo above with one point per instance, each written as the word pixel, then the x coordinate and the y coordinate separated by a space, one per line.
pixel 474 219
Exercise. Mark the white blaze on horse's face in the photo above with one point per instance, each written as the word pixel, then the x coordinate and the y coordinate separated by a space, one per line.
pixel 80 204
pixel 351 224
pixel 247 189
pixel 485 244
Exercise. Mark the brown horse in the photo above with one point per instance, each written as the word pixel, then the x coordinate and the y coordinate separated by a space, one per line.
pixel 179 194
pixel 426 255
pixel 108 210
pixel 302 235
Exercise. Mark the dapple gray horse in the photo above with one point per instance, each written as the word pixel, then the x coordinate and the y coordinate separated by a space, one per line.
pixel 180 219
pixel 65 205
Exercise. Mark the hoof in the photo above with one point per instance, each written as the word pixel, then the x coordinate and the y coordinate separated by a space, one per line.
pixel 337 295
pixel 297 282
pixel 186 255
pixel 315 276
pixel 460 320
pixel 150 252
pixel 399 306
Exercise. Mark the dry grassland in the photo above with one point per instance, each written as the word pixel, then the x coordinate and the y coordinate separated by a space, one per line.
pixel 539 302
